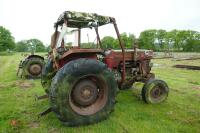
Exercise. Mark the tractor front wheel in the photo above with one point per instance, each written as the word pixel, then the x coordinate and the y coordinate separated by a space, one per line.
pixel 155 91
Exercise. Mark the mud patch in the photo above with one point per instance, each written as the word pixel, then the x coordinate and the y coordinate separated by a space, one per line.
pixel 24 84
pixel 2 86
pixel 53 130
pixel 196 87
pixel 34 124
pixel 191 121
pixel 197 95
pixel 5 86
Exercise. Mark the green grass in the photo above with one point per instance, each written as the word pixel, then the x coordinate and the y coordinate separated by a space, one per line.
pixel 180 113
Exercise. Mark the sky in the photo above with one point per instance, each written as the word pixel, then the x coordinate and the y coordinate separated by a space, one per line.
pixel 28 19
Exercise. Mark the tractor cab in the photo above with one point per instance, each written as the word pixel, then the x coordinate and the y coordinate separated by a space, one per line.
pixel 74 23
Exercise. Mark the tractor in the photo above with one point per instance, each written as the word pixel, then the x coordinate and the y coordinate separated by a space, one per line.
pixel 82 83
pixel 31 67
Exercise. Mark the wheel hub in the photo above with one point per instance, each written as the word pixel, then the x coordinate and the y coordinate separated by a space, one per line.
pixel 89 95
pixel 85 93
pixel 35 69
pixel 156 92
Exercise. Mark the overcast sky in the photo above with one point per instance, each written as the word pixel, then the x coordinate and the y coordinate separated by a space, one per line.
pixel 28 19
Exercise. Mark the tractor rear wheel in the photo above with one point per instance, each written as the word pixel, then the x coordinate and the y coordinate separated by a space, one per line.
pixel 155 91
pixel 32 67
pixel 83 92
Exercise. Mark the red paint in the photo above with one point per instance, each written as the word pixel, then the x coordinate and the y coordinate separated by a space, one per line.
pixel 112 60
pixel 76 56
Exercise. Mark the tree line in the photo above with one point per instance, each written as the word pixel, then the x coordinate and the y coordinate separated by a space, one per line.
pixel 7 43
pixel 175 40
pixel 157 40
pixel 33 45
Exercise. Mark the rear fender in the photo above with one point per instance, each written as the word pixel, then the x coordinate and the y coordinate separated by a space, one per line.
pixel 75 56
pixel 35 56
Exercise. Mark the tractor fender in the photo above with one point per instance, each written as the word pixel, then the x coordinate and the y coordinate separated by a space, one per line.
pixel 35 56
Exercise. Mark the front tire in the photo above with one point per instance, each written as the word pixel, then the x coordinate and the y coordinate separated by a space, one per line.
pixel 155 91
pixel 83 92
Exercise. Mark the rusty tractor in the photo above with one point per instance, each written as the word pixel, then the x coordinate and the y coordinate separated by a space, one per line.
pixel 31 67
pixel 82 84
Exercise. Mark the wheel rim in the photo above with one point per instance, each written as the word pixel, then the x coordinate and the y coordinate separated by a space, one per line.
pixel 88 95
pixel 85 93
pixel 158 93
pixel 35 69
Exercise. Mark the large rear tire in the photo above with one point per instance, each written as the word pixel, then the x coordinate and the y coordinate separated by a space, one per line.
pixel 83 92
pixel 155 91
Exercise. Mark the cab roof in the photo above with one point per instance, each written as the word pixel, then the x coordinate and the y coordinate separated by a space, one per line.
pixel 82 19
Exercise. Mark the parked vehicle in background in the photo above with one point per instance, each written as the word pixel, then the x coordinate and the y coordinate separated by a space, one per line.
pixel 31 66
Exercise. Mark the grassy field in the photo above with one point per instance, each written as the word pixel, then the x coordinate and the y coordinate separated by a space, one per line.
pixel 180 113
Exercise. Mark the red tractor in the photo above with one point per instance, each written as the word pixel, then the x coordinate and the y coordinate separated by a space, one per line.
pixel 82 84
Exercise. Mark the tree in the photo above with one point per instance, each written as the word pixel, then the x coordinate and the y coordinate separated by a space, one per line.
pixel 31 45
pixel 192 41
pixel 109 42
pixel 131 40
pixel 6 39
pixel 183 40
pixel 192 46
pixel 160 38
pixel 36 45
pixel 48 48
pixel 169 41
pixel 127 39
pixel 22 46
pixel 88 45
pixel 147 39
